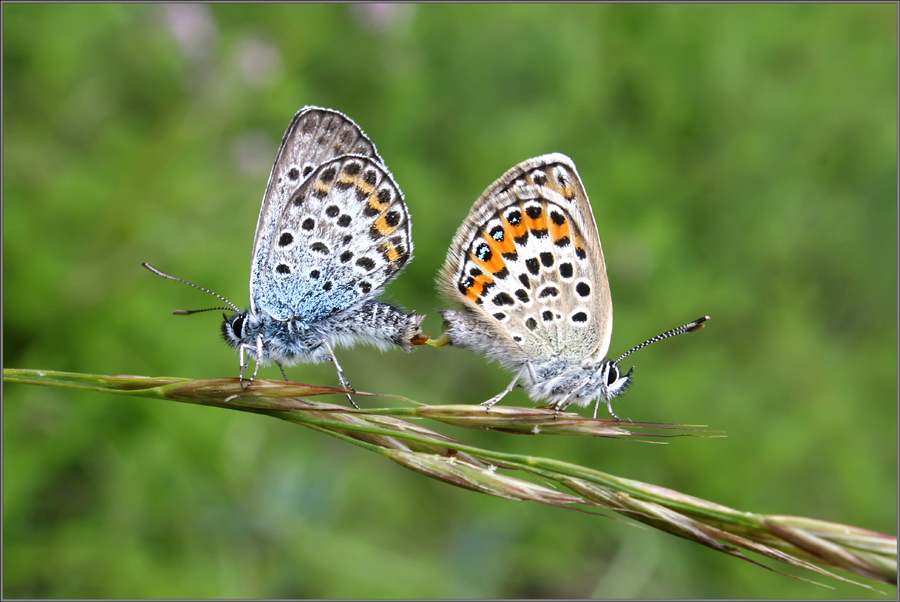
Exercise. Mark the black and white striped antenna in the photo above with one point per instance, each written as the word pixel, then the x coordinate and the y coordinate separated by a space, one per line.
pixel 187 312
pixel 695 325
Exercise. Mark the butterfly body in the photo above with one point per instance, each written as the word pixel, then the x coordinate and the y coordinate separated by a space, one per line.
pixel 287 342
pixel 528 267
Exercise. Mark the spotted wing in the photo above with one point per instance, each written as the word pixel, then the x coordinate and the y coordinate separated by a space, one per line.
pixel 314 137
pixel 343 235
pixel 528 261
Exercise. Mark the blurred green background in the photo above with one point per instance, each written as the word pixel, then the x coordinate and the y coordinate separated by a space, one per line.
pixel 742 163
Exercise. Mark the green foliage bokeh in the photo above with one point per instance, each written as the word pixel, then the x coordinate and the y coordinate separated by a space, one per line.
pixel 741 161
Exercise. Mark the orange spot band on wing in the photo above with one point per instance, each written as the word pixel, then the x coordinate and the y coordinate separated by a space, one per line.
pixel 515 230
pixel 357 181
pixel 538 223
pixel 382 226
pixel 492 265
pixel 364 186
pixel 477 289
pixel 391 251
pixel 377 205
pixel 559 232
pixel 498 247
pixel 579 248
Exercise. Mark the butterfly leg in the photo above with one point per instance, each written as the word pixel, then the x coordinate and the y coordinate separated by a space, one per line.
pixel 243 369
pixel 608 401
pixel 340 372
pixel 561 406
pixel 534 376
pixel 259 354
pixel 282 371
pixel 496 398
pixel 246 364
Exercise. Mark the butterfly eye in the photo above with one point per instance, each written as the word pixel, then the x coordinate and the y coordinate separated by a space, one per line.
pixel 237 326
pixel 613 375
pixel 616 382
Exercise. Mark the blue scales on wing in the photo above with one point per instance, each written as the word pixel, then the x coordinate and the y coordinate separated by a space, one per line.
pixel 341 237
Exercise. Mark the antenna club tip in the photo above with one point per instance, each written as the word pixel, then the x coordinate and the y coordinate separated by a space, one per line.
pixel 181 312
pixel 698 324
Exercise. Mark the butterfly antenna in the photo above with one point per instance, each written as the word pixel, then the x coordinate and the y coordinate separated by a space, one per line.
pixel 186 312
pixel 695 325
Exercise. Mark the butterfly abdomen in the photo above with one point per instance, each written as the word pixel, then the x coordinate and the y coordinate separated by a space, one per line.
pixel 466 330
pixel 373 323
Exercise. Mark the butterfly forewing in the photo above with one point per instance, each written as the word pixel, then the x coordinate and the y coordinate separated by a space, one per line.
pixel 314 136
pixel 528 260
pixel 342 236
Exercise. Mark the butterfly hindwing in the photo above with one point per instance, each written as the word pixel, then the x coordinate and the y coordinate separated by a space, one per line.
pixel 342 236
pixel 314 136
pixel 528 261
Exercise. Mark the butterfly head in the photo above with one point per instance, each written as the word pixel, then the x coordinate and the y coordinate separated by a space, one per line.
pixel 615 383
pixel 606 383
pixel 236 328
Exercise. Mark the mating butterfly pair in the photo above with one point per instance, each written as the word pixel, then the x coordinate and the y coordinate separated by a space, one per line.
pixel 526 264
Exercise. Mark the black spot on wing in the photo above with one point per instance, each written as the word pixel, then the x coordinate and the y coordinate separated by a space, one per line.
pixel 503 299
pixel 483 252
pixel 365 263
pixel 328 174
pixel 549 291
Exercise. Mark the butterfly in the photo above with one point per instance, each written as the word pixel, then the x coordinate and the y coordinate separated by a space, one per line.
pixel 527 266
pixel 333 230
